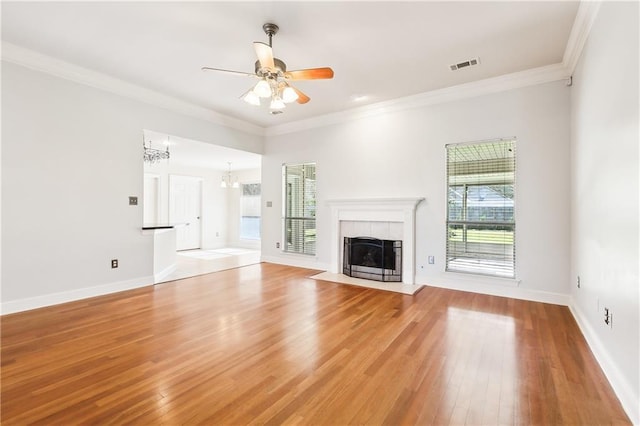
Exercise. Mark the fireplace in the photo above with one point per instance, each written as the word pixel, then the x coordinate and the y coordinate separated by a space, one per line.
pixel 368 216
pixel 373 258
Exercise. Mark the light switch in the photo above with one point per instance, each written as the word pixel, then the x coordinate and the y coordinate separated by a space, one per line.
pixel 269 203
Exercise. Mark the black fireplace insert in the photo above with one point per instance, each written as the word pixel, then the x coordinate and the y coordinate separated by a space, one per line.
pixel 373 259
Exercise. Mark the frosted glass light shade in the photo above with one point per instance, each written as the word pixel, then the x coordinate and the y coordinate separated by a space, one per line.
pixel 289 95
pixel 262 89
pixel 276 103
pixel 251 98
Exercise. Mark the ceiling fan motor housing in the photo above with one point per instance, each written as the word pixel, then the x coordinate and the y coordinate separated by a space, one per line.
pixel 280 68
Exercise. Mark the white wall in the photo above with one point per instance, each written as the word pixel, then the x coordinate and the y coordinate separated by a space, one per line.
pixel 71 157
pixel 604 197
pixel 214 199
pixel 402 154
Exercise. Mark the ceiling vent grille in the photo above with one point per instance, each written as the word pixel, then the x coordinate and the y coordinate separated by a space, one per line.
pixel 465 64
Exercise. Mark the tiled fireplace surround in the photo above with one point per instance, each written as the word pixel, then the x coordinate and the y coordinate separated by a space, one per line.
pixel 382 218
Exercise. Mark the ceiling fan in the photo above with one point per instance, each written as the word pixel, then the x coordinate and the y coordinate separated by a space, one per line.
pixel 274 78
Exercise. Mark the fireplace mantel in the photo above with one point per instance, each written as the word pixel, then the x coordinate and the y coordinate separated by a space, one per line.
pixel 376 210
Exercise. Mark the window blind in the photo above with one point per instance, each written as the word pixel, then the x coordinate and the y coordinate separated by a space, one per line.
pixel 481 208
pixel 250 211
pixel 300 208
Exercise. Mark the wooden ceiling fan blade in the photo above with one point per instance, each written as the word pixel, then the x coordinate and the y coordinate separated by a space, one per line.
pixel 302 98
pixel 246 74
pixel 264 54
pixel 309 74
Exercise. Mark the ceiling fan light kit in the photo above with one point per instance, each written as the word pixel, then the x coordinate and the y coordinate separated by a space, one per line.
pixel 273 75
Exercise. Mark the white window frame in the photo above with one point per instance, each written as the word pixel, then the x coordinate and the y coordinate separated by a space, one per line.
pixel 241 210
pixel 482 256
pixel 292 225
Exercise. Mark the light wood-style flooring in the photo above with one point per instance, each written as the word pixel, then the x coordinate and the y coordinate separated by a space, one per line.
pixel 264 344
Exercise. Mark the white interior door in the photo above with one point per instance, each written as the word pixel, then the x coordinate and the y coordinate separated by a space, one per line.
pixel 185 206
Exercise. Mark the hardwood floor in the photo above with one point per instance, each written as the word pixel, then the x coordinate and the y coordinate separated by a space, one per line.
pixel 265 344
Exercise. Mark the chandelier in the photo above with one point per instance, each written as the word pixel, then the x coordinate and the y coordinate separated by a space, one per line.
pixel 228 181
pixel 152 155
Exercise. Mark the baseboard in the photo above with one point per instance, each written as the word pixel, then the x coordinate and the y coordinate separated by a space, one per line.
pixel 307 262
pixel 618 380
pixel 20 305
pixel 501 287
pixel 162 274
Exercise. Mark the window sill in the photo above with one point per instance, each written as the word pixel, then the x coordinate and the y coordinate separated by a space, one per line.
pixel 294 254
pixel 484 279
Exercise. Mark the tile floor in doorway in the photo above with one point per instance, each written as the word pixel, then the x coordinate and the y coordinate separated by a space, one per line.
pixel 190 263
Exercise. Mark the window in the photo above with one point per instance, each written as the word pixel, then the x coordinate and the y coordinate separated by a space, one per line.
pixel 250 211
pixel 480 208
pixel 300 208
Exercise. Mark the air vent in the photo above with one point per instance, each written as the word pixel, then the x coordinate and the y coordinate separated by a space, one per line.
pixel 464 64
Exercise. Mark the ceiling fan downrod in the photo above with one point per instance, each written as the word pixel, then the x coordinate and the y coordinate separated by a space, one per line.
pixel 270 30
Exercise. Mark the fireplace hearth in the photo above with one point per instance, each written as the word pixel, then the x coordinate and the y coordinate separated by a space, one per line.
pixel 373 259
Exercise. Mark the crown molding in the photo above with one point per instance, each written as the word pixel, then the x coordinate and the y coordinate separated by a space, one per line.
pixel 39 62
pixel 487 86
pixel 586 15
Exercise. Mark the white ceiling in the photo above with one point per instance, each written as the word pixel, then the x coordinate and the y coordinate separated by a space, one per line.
pixel 384 50
pixel 204 155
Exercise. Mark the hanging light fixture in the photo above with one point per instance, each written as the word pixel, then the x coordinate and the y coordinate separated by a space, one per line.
pixel 228 181
pixel 269 87
pixel 273 77
pixel 152 155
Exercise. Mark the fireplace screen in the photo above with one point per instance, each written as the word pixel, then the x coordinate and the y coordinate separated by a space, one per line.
pixel 373 259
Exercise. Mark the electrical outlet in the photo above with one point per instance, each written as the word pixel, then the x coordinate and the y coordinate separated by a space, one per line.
pixel 432 260
pixel 278 245
pixel 114 263
pixel 133 201
pixel 578 281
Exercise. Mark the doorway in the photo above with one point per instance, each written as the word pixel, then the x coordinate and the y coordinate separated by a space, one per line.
pixel 185 210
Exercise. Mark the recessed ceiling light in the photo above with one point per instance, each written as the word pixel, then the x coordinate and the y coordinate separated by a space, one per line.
pixel 359 98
